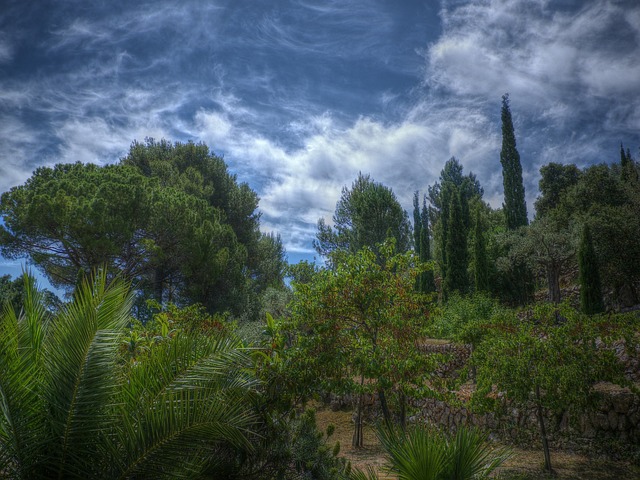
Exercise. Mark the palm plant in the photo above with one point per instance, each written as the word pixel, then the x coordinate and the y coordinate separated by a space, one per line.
pixel 430 455
pixel 70 408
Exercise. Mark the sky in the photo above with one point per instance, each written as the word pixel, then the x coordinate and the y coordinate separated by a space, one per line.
pixel 299 96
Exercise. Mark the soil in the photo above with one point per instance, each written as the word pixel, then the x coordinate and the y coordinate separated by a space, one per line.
pixel 523 465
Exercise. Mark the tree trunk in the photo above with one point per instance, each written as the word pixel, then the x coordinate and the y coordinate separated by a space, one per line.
pixel 358 440
pixel 385 408
pixel 543 433
pixel 553 278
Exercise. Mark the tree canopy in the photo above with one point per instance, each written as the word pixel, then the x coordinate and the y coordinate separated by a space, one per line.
pixel 168 216
pixel 366 214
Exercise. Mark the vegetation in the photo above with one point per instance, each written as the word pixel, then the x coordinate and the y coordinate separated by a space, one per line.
pixel 187 355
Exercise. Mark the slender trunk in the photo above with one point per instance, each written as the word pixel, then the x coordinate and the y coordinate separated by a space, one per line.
pixel 357 440
pixel 403 411
pixel 553 279
pixel 385 408
pixel 543 432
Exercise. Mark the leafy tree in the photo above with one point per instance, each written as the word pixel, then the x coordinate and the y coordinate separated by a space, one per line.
pixel 590 288
pixel 611 207
pixel 168 216
pixel 456 279
pixel 354 329
pixel 515 207
pixel 12 294
pixel 73 409
pixel 549 248
pixel 366 215
pixel 555 180
pixel 548 365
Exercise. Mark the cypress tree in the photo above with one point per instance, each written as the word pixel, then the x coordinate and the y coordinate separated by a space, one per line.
pixel 417 223
pixel 456 249
pixel 515 207
pixel 589 276
pixel 481 262
pixel 427 282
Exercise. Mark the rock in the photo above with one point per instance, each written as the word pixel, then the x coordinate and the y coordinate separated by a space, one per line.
pixel 613 420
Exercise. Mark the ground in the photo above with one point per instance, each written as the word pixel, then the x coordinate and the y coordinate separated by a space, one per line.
pixel 524 464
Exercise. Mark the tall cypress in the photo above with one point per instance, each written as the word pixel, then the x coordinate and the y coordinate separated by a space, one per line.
pixel 417 222
pixel 481 262
pixel 427 282
pixel 589 276
pixel 457 260
pixel 515 207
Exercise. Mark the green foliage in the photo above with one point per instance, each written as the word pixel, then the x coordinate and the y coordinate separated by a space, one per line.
pixel 590 289
pixel 425 280
pixel 555 180
pixel 480 259
pixel 72 409
pixel 366 215
pixel 452 183
pixel 168 216
pixel 466 319
pixel 550 361
pixel 515 207
pixel 357 322
pixel 456 278
pixel 422 454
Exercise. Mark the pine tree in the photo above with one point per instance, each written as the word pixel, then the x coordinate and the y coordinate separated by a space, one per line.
pixel 426 281
pixel 589 276
pixel 457 260
pixel 481 262
pixel 515 207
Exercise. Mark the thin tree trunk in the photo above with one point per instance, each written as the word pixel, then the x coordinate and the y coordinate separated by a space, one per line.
pixel 553 279
pixel 358 440
pixel 403 410
pixel 385 408
pixel 543 432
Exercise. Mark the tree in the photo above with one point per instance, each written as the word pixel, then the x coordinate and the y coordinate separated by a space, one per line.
pixel 547 365
pixel 354 328
pixel 73 409
pixel 426 278
pixel 366 215
pixel 417 222
pixel 589 277
pixel 480 259
pixel 441 193
pixel 425 282
pixel 548 248
pixel 555 180
pixel 168 216
pixel 515 207
pixel 456 279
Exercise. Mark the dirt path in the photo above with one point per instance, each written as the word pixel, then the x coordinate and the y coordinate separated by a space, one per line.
pixel 524 465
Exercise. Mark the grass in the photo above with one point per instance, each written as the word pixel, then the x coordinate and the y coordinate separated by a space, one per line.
pixel 524 464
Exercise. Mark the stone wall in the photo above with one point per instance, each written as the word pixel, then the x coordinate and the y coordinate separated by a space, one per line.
pixel 616 417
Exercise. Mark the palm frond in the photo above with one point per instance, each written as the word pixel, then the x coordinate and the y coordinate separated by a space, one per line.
pixel 21 409
pixel 81 379
pixel 199 397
